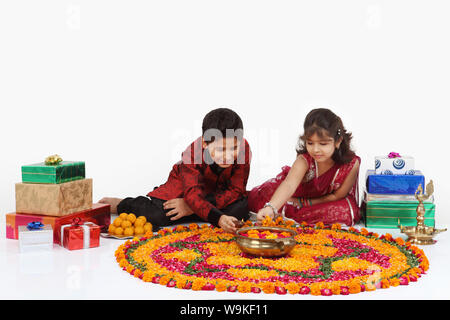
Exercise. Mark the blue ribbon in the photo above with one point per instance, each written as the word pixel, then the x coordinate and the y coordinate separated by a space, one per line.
pixel 35 225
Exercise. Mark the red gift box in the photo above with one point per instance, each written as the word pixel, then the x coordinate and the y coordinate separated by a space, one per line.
pixel 98 214
pixel 80 235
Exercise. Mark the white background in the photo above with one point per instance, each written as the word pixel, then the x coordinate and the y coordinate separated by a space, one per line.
pixel 124 85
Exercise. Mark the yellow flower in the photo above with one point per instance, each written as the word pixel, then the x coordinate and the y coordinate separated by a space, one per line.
pixel 292 287
pixel 336 226
pixel 223 251
pixel 244 287
pixel 198 284
pixel 267 287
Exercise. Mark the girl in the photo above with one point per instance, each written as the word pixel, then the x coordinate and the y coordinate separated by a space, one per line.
pixel 322 183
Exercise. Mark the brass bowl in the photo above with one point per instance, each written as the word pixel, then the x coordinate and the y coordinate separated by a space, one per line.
pixel 266 247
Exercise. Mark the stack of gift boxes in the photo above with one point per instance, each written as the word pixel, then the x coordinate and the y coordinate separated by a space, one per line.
pixel 54 205
pixel 389 197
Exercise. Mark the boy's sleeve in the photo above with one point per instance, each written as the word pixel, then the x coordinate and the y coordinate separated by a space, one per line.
pixel 194 194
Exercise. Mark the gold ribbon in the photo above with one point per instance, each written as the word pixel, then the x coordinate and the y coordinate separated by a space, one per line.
pixel 53 160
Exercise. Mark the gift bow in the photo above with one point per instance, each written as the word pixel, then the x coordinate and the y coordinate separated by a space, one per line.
pixel 394 155
pixel 78 222
pixel 35 225
pixel 53 160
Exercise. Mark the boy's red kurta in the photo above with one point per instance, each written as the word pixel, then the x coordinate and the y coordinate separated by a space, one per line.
pixel 194 180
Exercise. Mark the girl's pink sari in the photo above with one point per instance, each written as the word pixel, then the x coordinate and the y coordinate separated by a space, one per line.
pixel 344 211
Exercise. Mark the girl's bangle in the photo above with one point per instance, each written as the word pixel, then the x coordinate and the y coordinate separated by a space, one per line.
pixel 275 211
pixel 300 202
pixel 303 202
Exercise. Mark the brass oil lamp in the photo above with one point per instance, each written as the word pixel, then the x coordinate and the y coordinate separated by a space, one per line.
pixel 421 234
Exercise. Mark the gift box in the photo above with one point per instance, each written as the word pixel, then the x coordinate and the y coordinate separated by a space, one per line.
pixel 54 199
pixel 394 165
pixel 35 236
pixel 393 184
pixel 65 171
pixel 389 214
pixel 393 197
pixel 80 235
pixel 98 214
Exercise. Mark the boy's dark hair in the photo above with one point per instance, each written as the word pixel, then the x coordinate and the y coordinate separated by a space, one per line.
pixel 324 123
pixel 221 120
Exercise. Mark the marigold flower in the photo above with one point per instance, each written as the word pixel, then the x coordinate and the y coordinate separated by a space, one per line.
pixel 336 226
pixel 400 241
pixel 320 225
pixel 179 257
pixel 292 287
pixel 221 286
pixel 193 226
pixel 385 284
pixel 394 282
pixel 268 287
pixel 354 288
pixel 164 280
pixel 364 231
pixel 244 287
pixel 198 284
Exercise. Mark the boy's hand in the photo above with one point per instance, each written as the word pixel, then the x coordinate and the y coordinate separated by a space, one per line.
pixel 267 211
pixel 227 223
pixel 113 202
pixel 179 208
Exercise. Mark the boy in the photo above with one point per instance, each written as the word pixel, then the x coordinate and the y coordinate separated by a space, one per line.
pixel 208 184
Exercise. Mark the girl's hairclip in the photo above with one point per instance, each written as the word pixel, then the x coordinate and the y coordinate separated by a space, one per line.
pixel 339 132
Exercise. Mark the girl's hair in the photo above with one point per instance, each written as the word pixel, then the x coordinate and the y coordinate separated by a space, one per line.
pixel 325 123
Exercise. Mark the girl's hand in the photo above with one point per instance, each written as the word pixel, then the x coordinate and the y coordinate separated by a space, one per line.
pixel 179 208
pixel 227 223
pixel 267 211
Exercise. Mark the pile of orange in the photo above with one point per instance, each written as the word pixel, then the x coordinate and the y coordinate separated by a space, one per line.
pixel 127 225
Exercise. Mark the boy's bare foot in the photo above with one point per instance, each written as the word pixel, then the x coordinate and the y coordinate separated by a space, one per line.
pixel 113 202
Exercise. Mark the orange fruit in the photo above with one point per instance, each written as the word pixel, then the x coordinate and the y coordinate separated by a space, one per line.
pixel 139 230
pixel 131 217
pixel 148 227
pixel 125 224
pixel 128 231
pixel 117 222
pixel 112 228
pixel 143 218
pixel 119 231
pixel 139 223
pixel 123 216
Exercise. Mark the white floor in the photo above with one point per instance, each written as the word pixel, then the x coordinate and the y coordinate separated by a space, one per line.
pixel 94 274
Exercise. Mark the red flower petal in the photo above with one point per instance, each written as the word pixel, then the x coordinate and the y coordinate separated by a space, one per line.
pixel 280 290
pixel 256 290
pixel 305 290
pixel 232 289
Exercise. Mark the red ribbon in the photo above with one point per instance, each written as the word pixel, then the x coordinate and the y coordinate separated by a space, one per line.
pixel 77 221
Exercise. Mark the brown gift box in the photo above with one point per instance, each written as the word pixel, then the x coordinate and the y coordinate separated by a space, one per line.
pixel 54 199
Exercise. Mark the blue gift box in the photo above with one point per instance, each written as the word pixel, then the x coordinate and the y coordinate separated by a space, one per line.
pixel 393 184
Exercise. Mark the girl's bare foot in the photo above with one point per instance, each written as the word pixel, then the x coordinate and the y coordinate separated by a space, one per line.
pixel 113 202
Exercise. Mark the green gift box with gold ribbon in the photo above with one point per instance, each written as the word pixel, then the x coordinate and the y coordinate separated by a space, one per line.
pixel 389 214
pixel 64 171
